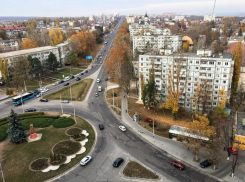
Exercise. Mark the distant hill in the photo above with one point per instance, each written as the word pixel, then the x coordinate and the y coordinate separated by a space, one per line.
pixel 18 18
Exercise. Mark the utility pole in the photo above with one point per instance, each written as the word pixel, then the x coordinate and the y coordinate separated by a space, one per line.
pixel 74 112
pixel 70 93
pixel 61 104
pixel 113 97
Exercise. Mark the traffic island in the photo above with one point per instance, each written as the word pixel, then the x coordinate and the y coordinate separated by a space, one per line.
pixel 137 171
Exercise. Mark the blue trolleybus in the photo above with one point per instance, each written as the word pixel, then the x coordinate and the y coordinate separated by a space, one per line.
pixel 25 97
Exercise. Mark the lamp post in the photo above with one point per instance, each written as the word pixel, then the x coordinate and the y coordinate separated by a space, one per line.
pixel 74 112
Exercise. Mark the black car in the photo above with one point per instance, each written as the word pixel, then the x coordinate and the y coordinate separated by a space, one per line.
pixel 81 74
pixel 30 110
pixel 101 126
pixel 106 79
pixel 43 100
pixel 66 84
pixel 18 104
pixel 61 81
pixel 118 162
pixel 77 78
pixel 71 77
pixel 206 163
pixel 86 71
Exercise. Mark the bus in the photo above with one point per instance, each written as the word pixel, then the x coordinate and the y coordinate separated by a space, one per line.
pixel 25 97
pixel 176 131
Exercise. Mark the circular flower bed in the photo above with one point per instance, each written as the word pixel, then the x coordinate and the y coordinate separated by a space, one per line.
pixel 67 148
pixel 73 131
pixel 57 159
pixel 78 137
pixel 39 164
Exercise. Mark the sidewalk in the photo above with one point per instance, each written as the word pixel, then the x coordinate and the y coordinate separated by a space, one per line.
pixel 176 150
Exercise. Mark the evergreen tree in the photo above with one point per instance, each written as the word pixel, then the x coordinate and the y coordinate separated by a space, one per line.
pixel 240 32
pixel 52 62
pixel 74 58
pixel 151 87
pixel 16 132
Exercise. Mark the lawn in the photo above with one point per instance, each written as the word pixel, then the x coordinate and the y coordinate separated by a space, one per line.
pixel 66 71
pixel 16 159
pixel 78 90
pixel 136 170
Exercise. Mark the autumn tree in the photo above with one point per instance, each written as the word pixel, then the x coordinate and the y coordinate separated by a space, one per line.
pixel 237 53
pixel 186 46
pixel 4 70
pixel 28 44
pixel 127 75
pixel 203 132
pixel 55 36
pixel 41 38
pixel 222 98
pixel 176 75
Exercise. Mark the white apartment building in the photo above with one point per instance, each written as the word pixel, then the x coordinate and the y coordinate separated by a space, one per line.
pixel 209 17
pixel 136 28
pixel 9 45
pixel 179 17
pixel 61 51
pixel 130 19
pixel 215 69
pixel 164 40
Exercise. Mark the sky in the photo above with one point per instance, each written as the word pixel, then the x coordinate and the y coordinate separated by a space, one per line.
pixel 78 8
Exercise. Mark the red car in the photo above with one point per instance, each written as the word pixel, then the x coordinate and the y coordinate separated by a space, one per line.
pixel 178 165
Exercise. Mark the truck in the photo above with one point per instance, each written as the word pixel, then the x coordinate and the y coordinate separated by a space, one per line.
pixel 99 88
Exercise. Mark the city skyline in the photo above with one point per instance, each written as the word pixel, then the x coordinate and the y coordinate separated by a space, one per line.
pixel 57 8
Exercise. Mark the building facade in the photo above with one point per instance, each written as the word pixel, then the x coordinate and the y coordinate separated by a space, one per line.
pixel 157 41
pixel 215 70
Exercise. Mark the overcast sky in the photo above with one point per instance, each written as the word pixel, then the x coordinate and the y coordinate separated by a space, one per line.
pixel 54 8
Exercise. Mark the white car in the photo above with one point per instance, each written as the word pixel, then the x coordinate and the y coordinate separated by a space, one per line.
pixel 85 160
pixel 38 95
pixel 98 80
pixel 65 101
pixel 122 128
pixel 55 83
pixel 44 90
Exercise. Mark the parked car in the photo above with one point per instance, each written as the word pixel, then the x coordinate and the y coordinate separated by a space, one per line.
pixel 19 104
pixel 98 80
pixel 30 110
pixel 122 128
pixel 96 94
pixel 43 100
pixel 77 78
pixel 39 95
pixel 55 83
pixel 178 165
pixel 85 160
pixel 206 163
pixel 71 77
pixel 232 150
pixel 66 84
pixel 117 162
pixel 65 101
pixel 101 126
pixel 81 74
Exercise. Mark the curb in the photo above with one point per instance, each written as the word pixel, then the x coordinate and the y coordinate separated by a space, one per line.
pixel 64 173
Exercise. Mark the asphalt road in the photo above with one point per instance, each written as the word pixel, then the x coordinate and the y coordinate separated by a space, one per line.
pixel 111 142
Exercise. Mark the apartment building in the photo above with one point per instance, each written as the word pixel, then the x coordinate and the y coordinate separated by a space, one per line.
pixel 12 31
pixel 61 51
pixel 9 45
pixel 215 70
pixel 136 28
pixel 157 41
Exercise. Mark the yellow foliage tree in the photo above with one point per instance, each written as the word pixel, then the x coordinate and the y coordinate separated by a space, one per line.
pixel 4 70
pixel 28 44
pixel 186 46
pixel 55 36
pixel 222 98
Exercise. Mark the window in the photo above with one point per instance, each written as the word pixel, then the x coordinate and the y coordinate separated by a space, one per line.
pixel 217 69
pixel 214 103
pixel 216 86
pixel 195 79
pixel 141 64
pixel 189 84
pixel 188 89
pixel 224 81
pixel 217 81
pixel 226 63
pixel 196 68
pixel 197 62
pixel 189 78
pixel 211 62
pixel 190 62
pixel 209 75
pixel 216 92
pixel 141 59
pixel 225 76
pixel 219 63
pixel 215 98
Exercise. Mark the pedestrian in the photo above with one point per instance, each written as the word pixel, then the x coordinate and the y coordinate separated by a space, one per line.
pixel 124 96
pixel 126 110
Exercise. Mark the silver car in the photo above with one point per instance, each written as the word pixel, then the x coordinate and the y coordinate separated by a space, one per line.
pixel 85 160
pixel 65 101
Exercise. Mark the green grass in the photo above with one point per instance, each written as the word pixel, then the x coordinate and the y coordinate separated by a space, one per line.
pixel 34 84
pixel 66 72
pixel 63 122
pixel 17 158
pixel 136 170
pixel 78 90
pixel 3 132
pixel 37 122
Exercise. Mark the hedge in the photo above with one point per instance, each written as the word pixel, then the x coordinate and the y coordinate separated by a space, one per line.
pixel 63 122
pixel 37 122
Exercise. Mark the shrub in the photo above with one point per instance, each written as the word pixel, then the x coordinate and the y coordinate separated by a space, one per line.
pixel 39 164
pixel 78 137
pixel 73 131
pixel 63 122
pixel 148 120
pixel 3 132
pixel 151 125
pixel 57 159
pixel 37 122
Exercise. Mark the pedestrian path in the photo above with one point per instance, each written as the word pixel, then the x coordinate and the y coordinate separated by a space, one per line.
pixel 176 150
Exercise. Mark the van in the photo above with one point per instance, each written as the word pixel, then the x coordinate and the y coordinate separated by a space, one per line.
pixel 99 88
